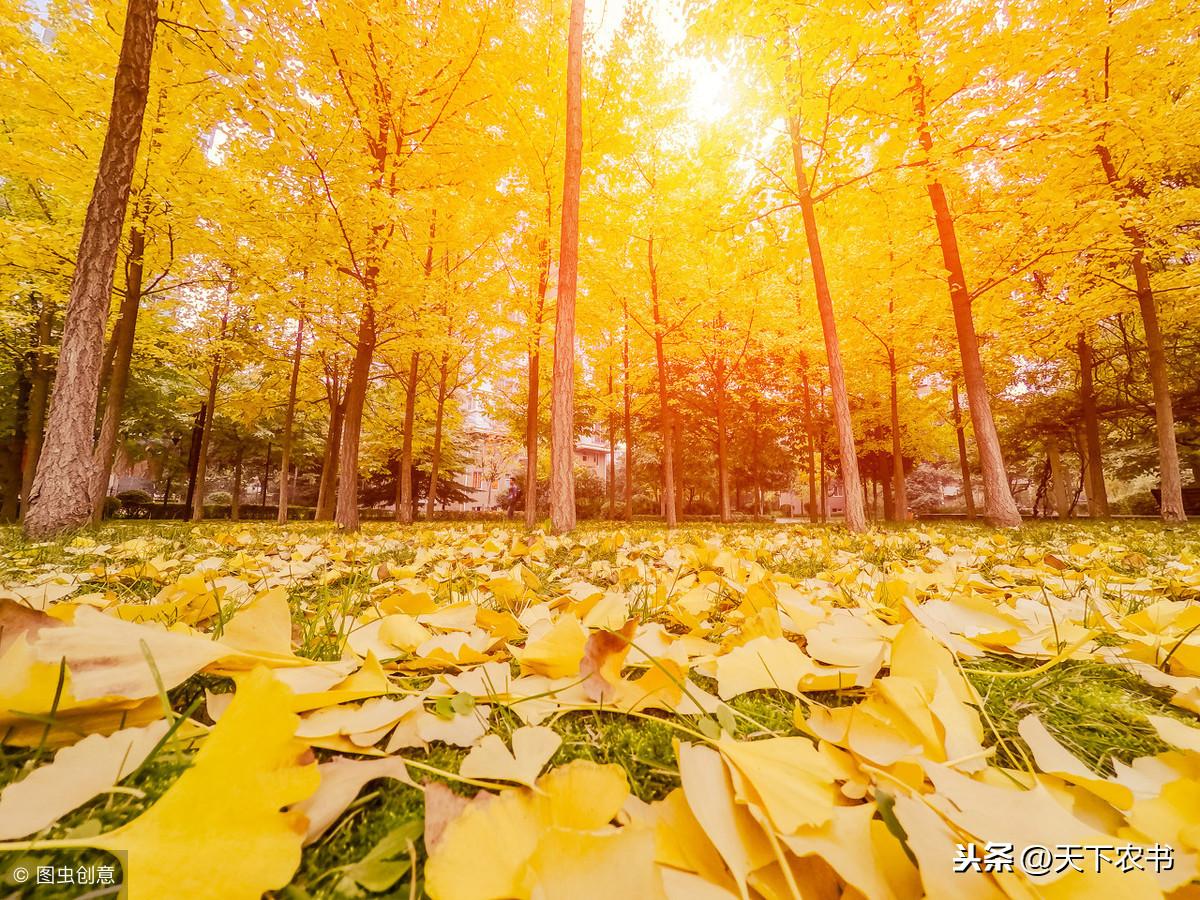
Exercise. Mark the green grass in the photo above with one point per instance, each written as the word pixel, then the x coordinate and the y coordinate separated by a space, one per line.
pixel 1097 711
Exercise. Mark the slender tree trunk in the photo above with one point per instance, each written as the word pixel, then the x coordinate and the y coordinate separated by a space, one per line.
pixel 612 446
pixel 533 389
pixel 889 501
pixel 1164 416
pixel 267 477
pixel 60 499
pixel 1085 478
pixel 11 506
pixel 39 397
pixel 627 411
pixel 1058 487
pixel 665 422
pixel 235 500
pixel 346 515
pixel 899 490
pixel 435 461
pixel 122 359
pixel 193 462
pixel 812 454
pixel 855 515
pixel 205 438
pixel 346 504
pixel 327 489
pixel 289 420
pixel 1097 490
pixel 404 474
pixel 964 463
pixel 726 511
pixel 562 394
pixel 999 507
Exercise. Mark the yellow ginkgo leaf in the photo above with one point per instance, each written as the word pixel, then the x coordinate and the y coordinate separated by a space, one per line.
pixel 77 774
pixel 556 653
pixel 792 781
pixel 616 862
pixel 532 747
pixel 229 807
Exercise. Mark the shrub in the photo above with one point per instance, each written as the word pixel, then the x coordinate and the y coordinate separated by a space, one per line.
pixel 218 498
pixel 134 496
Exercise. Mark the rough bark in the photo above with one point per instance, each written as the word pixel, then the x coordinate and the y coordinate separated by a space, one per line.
pixel 404 476
pixel 41 371
pixel 60 499
pixel 289 420
pixel 964 463
pixel 346 515
pixel 122 359
pixel 1097 492
pixel 562 392
pixel 1171 483
pixel 856 519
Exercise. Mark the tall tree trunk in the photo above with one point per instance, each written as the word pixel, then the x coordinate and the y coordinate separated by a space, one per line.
pixel 435 462
pixel 855 514
pixel 1058 487
pixel 356 399
pixel 60 499
pixel 235 499
pixel 1164 416
pixel 999 507
pixel 726 511
pixel 627 411
pixel 205 439
pixel 665 424
pixel 10 508
pixel 194 456
pixel 899 490
pixel 289 420
pixel 266 480
pixel 964 463
pixel 122 359
pixel 41 369
pixel 531 435
pixel 1085 479
pixel 612 446
pixel 562 393
pixel 404 475
pixel 327 489
pixel 812 454
pixel 1097 490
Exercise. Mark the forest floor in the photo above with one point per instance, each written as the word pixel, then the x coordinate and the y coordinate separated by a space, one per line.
pixel 715 711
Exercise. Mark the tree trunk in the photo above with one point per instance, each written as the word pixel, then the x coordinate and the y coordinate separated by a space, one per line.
pixel 11 506
pixel 60 499
pixel 1164 416
pixel 435 461
pixel 963 462
pixel 612 446
pixel 235 499
pixel 531 435
pixel 562 394
pixel 194 455
pixel 356 399
pixel 812 454
pixel 327 490
pixel 627 412
pixel 855 515
pixel 1097 490
pixel 726 511
pixel 999 507
pixel 665 423
pixel 122 359
pixel 899 490
pixel 1058 487
pixel 404 474
pixel 289 420
pixel 267 477
pixel 205 438
pixel 39 398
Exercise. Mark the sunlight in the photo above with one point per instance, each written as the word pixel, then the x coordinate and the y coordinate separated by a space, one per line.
pixel 710 97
